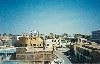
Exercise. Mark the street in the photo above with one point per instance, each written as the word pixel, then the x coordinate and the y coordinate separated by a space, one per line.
pixel 61 56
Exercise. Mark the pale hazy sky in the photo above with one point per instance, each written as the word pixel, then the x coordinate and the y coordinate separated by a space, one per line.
pixel 57 16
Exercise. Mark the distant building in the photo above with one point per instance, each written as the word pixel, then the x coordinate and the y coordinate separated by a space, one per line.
pixel 18 36
pixel 34 33
pixel 51 42
pixel 7 40
pixel 85 52
pixel 63 43
pixel 31 39
pixel 56 42
pixel 96 36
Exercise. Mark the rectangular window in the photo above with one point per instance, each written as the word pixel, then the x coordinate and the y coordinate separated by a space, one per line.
pixel 52 40
pixel 58 40
pixel 25 45
pixel 34 44
pixel 31 38
pixel 47 44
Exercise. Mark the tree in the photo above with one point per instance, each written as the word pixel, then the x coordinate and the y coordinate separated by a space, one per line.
pixel 77 35
pixel 57 36
pixel 73 40
pixel 4 34
pixel 51 35
pixel 10 34
pixel 86 36
pixel 65 34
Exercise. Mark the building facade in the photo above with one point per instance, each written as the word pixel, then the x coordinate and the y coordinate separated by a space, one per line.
pixel 96 36
pixel 51 42
pixel 8 40
pixel 30 41
pixel 88 53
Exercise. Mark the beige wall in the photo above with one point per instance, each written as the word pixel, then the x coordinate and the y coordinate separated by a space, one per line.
pixel 31 41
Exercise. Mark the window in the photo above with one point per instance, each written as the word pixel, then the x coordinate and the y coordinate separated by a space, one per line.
pixel 31 38
pixel 40 44
pixel 21 45
pixel 31 44
pixel 47 44
pixel 25 45
pixel 58 40
pixel 34 44
pixel 54 40
pixel 26 38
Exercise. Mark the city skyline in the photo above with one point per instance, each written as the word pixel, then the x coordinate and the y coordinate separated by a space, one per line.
pixel 57 16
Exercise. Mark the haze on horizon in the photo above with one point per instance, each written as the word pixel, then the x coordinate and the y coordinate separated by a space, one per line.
pixel 57 16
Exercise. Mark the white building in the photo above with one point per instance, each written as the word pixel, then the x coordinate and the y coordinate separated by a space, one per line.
pixel 56 42
pixel 51 42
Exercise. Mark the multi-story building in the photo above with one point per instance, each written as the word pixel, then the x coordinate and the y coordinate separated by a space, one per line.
pixel 85 52
pixel 51 42
pixel 88 53
pixel 96 36
pixel 31 39
pixel 57 42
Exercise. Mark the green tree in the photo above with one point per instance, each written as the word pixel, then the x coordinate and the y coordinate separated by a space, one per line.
pixel 77 35
pixel 10 34
pixel 4 34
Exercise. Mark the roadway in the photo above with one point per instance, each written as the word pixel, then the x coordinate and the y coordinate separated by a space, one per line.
pixel 61 55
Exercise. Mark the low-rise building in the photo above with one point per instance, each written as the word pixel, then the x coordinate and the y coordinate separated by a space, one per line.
pixel 51 42
pixel 8 40
pixel 30 41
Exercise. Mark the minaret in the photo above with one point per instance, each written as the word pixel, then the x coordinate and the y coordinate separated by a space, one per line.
pixel 31 34
pixel 38 33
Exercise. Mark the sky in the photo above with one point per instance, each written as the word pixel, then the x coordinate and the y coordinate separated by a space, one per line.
pixel 56 16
